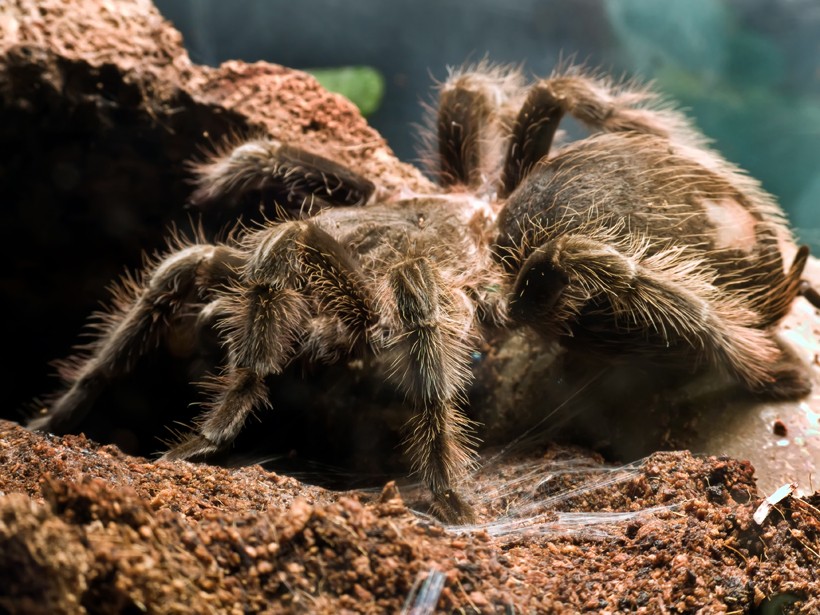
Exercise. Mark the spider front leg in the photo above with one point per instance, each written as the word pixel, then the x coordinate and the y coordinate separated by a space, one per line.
pixel 432 365
pixel 270 308
pixel 295 177
pixel 623 300
pixel 144 309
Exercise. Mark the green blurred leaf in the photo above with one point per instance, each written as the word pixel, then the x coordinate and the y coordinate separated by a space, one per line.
pixel 363 85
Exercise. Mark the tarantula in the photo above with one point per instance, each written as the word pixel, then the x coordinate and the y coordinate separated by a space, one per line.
pixel 636 241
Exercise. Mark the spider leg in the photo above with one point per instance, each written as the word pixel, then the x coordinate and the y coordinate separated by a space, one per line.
pixel 432 365
pixel 270 309
pixel 599 103
pixel 468 124
pixel 810 293
pixel 293 175
pixel 622 300
pixel 780 291
pixel 143 311
pixel 804 287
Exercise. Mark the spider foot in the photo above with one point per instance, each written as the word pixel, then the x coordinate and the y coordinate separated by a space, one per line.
pixel 789 381
pixel 453 509
pixel 194 447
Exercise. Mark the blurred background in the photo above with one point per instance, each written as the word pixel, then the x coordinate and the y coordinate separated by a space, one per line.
pixel 748 71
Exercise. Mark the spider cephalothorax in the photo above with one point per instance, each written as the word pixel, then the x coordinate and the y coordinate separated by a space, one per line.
pixel 638 240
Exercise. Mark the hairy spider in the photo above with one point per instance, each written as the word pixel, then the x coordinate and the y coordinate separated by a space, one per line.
pixel 636 241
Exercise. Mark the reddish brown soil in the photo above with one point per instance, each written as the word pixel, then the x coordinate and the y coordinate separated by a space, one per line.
pixel 85 528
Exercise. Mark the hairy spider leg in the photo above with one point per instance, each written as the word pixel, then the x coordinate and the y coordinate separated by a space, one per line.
pixel 432 366
pixel 291 173
pixel 599 103
pixel 469 125
pixel 781 290
pixel 291 265
pixel 143 310
pixel 574 280
pixel 531 136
